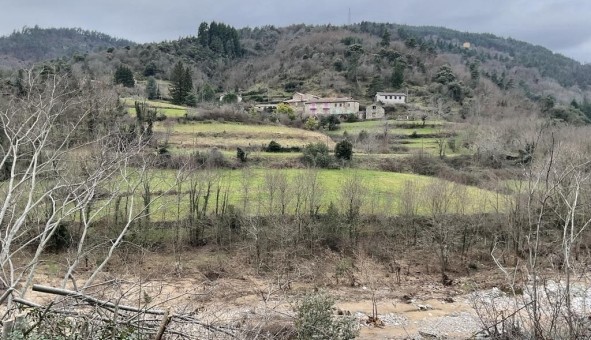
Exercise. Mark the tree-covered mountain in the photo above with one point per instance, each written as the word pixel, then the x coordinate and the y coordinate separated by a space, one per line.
pixel 445 72
pixel 33 44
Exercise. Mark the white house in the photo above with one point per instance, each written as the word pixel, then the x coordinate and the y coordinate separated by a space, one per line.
pixel 390 98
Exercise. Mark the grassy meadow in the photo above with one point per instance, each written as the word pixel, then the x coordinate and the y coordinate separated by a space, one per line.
pixel 170 110
pixel 251 190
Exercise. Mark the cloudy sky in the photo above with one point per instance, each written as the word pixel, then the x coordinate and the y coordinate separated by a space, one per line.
pixel 560 25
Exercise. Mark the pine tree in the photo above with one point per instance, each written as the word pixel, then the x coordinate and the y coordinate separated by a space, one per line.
pixel 181 85
pixel 177 87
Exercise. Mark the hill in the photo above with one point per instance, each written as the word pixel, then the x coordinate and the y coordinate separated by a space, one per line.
pixel 450 74
pixel 37 44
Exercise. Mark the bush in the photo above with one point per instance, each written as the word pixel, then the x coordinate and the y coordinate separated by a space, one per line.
pixel 241 155
pixel 352 118
pixel 274 147
pixel 60 240
pixel 332 122
pixel 317 155
pixel 315 320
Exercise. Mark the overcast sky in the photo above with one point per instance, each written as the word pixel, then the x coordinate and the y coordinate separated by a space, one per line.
pixel 563 26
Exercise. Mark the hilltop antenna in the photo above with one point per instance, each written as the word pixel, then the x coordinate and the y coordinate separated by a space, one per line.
pixel 349 21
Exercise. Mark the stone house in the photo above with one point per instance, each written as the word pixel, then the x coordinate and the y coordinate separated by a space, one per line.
pixel 331 106
pixel 373 111
pixel 390 98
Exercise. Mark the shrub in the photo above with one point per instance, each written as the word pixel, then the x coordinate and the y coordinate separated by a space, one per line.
pixel 331 122
pixel 352 118
pixel 317 155
pixel 216 159
pixel 274 147
pixel 241 155
pixel 311 123
pixel 60 240
pixel 315 320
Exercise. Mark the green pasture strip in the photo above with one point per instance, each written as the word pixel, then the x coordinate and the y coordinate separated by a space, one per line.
pixel 170 110
pixel 382 193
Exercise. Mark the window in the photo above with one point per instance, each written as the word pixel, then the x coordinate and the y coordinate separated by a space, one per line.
pixel 335 104
pixel 374 107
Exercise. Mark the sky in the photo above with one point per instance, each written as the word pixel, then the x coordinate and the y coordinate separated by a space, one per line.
pixel 563 26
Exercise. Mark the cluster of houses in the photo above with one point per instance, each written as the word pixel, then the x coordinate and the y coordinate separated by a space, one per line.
pixel 308 105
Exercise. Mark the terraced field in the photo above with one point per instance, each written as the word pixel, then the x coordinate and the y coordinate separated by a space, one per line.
pixel 405 136
pixel 228 136
pixel 170 110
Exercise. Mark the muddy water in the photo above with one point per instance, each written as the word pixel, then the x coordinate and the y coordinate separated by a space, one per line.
pixel 409 320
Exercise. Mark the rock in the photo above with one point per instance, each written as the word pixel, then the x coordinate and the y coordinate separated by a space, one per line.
pixel 424 307
pixel 428 335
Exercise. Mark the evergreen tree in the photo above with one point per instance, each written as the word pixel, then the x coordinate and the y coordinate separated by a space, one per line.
pixel 203 34
pixel 150 69
pixel 344 150
pixel 124 76
pixel 385 38
pixel 207 93
pixel 181 83
pixel 152 91
pixel 398 76
pixel 376 85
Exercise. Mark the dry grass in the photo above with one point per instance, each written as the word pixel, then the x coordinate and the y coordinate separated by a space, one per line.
pixel 231 135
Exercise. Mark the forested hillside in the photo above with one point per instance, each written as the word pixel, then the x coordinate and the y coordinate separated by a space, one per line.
pixel 447 73
pixel 37 44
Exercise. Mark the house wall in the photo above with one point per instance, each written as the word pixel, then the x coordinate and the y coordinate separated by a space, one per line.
pixel 374 112
pixel 391 99
pixel 331 108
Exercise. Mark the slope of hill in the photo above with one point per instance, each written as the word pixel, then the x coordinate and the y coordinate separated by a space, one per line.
pixel 492 77
pixel 37 44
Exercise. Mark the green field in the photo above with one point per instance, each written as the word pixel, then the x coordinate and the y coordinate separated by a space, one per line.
pixel 394 127
pixel 382 193
pixel 170 110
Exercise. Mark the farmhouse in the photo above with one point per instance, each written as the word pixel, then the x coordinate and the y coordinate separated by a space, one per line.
pixel 373 111
pixel 298 101
pixel 390 98
pixel 331 106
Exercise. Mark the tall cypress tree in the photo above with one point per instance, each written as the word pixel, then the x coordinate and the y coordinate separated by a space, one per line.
pixel 181 84
pixel 176 87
